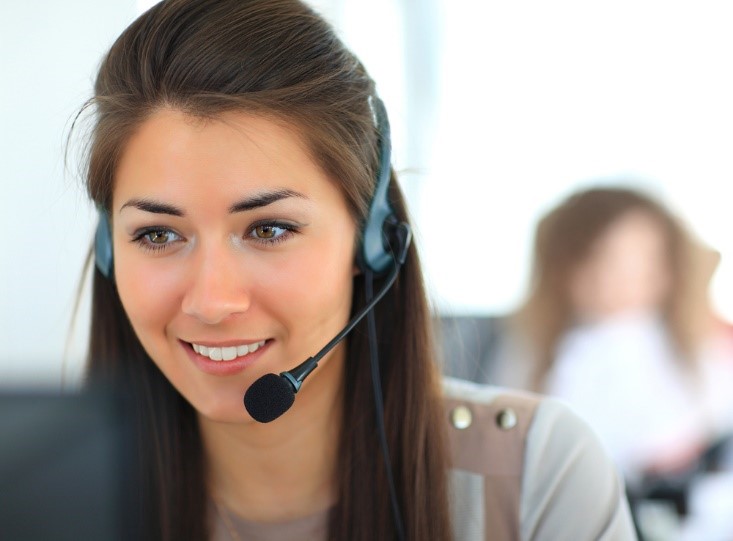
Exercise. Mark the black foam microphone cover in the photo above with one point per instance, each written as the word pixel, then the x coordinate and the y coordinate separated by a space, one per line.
pixel 268 398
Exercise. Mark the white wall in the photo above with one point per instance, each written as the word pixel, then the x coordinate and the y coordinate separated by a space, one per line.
pixel 539 98
pixel 49 51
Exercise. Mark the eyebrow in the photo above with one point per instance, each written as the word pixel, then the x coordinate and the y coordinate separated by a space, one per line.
pixel 148 205
pixel 263 199
pixel 250 203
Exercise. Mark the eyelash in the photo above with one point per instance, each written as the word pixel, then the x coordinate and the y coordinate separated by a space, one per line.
pixel 140 237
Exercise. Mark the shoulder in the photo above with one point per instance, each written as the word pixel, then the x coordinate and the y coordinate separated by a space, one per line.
pixel 567 472
pixel 488 426
pixel 539 464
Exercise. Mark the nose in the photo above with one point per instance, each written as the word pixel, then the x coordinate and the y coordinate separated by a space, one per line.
pixel 218 288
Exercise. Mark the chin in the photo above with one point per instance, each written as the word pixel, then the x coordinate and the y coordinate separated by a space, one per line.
pixel 222 409
pixel 226 415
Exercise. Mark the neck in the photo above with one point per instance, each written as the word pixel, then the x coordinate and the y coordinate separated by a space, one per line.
pixel 284 469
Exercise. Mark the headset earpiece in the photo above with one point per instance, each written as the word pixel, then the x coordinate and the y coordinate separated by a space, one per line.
pixel 103 256
pixel 374 252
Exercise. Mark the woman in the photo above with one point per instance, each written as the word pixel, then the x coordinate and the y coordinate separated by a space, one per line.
pixel 234 158
pixel 619 323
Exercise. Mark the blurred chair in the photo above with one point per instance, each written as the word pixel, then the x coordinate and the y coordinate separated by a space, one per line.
pixel 469 345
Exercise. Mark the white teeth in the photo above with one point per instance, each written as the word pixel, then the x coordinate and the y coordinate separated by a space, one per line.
pixel 227 353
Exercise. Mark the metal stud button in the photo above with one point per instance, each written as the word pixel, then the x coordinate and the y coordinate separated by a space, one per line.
pixel 506 419
pixel 461 417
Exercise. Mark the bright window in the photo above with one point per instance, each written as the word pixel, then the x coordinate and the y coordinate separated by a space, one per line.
pixel 515 104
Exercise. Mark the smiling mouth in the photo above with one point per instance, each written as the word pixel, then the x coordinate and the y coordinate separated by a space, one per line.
pixel 227 353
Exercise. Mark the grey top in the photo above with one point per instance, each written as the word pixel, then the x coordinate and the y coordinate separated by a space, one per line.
pixel 313 527
pixel 567 486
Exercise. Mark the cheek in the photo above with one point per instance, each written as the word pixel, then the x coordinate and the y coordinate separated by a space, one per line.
pixel 310 289
pixel 581 288
pixel 149 297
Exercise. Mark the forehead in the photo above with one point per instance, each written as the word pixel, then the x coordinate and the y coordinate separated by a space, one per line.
pixel 172 154
pixel 635 225
pixel 635 234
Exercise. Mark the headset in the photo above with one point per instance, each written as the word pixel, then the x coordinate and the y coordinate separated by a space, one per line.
pixel 103 256
pixel 383 249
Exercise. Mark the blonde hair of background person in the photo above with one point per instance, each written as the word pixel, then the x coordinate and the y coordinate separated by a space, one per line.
pixel 235 151
pixel 564 240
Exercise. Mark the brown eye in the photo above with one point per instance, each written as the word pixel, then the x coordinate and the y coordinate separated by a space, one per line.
pixel 159 237
pixel 156 239
pixel 266 231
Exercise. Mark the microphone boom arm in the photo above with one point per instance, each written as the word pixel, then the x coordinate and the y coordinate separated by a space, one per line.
pixel 296 376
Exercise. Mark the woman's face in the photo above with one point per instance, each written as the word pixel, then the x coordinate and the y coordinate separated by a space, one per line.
pixel 627 270
pixel 233 254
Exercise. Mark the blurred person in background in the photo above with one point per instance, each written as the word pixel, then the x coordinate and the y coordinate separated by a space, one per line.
pixel 618 324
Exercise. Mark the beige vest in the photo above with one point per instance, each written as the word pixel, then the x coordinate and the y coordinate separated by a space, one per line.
pixel 487 442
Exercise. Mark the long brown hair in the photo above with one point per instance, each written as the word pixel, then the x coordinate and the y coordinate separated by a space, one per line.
pixel 276 58
pixel 564 238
